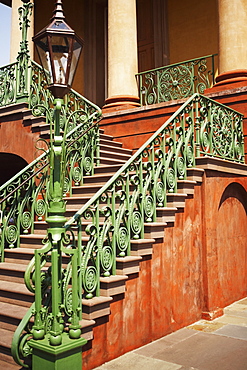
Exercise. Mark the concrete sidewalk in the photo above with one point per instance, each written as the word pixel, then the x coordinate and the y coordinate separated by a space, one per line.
pixel 220 344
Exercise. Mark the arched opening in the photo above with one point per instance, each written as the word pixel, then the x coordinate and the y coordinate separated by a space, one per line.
pixel 10 164
pixel 230 240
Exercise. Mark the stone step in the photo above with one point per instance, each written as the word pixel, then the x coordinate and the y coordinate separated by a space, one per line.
pixel 166 214
pixel 186 186
pixel 8 366
pixel 112 285
pixel 6 337
pixel 96 307
pixel 19 255
pixel 116 155
pixel 105 140
pixel 111 160
pixel 176 200
pixel 195 174
pixel 11 315
pixel 154 230
pixel 15 293
pixel 128 265
pixel 142 247
pixel 108 147
pixel 13 272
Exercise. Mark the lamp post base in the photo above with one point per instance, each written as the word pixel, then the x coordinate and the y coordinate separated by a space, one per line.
pixel 67 355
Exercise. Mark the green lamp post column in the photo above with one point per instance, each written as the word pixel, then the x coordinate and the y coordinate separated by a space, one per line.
pixel 59 49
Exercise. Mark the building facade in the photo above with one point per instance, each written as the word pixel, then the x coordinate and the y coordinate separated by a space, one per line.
pixel 124 39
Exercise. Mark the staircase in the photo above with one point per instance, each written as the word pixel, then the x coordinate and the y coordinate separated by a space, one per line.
pixel 16 298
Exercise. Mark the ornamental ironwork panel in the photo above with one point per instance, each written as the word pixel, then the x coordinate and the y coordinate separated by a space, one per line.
pixel 176 81
pixel 8 84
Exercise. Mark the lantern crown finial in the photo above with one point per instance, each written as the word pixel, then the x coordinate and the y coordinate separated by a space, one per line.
pixel 58 11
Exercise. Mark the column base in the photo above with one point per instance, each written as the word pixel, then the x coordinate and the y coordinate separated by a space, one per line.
pixel 211 315
pixel 120 102
pixel 229 80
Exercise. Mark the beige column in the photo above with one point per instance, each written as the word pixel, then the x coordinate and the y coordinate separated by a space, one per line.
pixel 122 53
pixel 232 40
pixel 16 32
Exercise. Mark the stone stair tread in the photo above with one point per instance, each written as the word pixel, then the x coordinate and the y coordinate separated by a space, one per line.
pixel 176 195
pixel 31 236
pixel 113 278
pixel 112 147
pixel 8 366
pixel 128 258
pixel 96 301
pixel 86 323
pixel 13 266
pixel 6 337
pixel 20 250
pixel 186 181
pixel 142 241
pixel 12 310
pixel 113 160
pixel 167 209
pixel 14 287
pixel 155 224
pixel 196 169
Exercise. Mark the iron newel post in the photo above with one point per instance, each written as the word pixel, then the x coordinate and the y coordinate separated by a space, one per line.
pixel 59 49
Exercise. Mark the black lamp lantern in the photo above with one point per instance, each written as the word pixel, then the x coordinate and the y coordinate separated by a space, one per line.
pixel 59 49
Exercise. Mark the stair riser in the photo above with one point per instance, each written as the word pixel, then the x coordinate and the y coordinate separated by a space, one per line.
pixel 109 161
pixel 115 156
pixel 8 323
pixel 17 299
pixel 5 355
pixel 112 149
pixel 31 243
pixel 12 276
pixel 22 259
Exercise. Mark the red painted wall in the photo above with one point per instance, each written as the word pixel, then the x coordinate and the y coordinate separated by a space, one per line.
pixel 200 266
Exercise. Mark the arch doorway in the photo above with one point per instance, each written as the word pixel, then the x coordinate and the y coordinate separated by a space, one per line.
pixel 10 164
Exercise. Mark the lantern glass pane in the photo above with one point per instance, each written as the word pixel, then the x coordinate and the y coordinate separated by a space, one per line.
pixel 43 51
pixel 76 52
pixel 60 55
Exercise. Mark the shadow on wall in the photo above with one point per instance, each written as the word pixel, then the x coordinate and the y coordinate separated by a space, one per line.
pixel 231 244
pixel 237 191
pixel 10 164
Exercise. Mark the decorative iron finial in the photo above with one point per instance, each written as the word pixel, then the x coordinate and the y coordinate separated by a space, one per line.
pixel 58 11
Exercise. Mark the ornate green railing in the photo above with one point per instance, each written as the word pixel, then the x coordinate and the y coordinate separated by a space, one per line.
pixel 8 84
pixel 23 199
pixel 176 81
pixel 103 229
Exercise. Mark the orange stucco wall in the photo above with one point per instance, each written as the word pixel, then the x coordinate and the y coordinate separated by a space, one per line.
pixel 193 29
pixel 200 266
pixel 16 137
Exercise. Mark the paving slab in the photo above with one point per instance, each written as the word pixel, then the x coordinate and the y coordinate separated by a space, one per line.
pixel 133 361
pixel 230 319
pixel 233 331
pixel 206 351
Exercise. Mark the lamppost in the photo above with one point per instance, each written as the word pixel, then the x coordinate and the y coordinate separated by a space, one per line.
pixel 59 49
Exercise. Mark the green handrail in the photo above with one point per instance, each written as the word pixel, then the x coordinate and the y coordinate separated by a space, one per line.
pixel 176 81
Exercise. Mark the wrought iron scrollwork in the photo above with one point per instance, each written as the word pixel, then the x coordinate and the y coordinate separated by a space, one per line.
pixel 176 81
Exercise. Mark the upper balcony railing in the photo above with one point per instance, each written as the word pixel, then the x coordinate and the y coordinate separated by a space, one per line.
pixel 176 81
